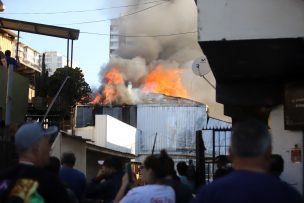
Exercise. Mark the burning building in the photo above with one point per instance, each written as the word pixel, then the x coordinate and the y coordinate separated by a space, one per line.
pixel 170 122
pixel 149 83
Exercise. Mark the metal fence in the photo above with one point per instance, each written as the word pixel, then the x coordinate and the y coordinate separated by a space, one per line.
pixel 213 140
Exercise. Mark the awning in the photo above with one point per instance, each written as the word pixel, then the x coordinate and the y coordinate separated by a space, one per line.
pixel 41 29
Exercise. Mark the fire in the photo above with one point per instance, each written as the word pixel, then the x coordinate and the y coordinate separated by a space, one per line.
pixel 160 80
pixel 96 99
pixel 112 79
pixel 165 81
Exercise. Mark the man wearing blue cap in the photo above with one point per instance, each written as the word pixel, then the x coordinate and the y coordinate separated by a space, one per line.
pixel 28 181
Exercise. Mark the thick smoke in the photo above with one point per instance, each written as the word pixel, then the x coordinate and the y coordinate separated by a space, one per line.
pixel 140 54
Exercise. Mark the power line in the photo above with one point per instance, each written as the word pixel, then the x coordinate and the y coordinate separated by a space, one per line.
pixel 80 11
pixel 129 14
pixel 159 35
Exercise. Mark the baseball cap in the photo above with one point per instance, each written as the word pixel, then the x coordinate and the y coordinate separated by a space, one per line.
pixel 30 133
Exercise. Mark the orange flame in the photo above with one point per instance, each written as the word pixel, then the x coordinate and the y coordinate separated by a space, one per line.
pixel 112 78
pixel 96 99
pixel 159 80
pixel 165 81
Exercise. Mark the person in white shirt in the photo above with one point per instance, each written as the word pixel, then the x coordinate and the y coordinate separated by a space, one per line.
pixel 154 172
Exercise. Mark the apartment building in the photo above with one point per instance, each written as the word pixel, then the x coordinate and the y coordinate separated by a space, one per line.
pixel 54 60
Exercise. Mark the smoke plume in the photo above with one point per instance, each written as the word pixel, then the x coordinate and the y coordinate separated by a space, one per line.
pixel 160 41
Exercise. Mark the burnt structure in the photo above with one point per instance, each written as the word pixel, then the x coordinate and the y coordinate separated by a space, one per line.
pixel 173 121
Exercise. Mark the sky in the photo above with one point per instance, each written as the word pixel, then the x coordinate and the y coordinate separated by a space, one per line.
pixel 91 52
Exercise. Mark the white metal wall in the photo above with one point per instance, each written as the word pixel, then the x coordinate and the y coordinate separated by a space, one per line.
pixel 175 125
pixel 250 19
pixel 114 134
pixel 282 142
pixel 67 144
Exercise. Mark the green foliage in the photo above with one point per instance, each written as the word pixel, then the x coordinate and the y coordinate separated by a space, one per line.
pixel 74 89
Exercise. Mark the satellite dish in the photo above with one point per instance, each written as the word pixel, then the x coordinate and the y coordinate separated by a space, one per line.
pixel 200 66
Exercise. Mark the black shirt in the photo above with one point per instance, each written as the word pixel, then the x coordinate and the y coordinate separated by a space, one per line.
pixel 49 185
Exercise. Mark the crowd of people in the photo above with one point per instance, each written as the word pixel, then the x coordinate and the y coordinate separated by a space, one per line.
pixel 252 175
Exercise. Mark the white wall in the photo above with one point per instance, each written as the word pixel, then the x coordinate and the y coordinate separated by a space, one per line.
pixel 66 144
pixel 120 136
pixel 250 19
pixel 100 130
pixel 283 142
pixel 114 134
pixel 85 132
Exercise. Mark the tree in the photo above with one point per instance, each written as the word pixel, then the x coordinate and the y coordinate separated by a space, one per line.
pixel 74 89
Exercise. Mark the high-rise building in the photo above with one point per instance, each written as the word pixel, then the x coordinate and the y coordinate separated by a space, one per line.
pixel 54 60
pixel 117 38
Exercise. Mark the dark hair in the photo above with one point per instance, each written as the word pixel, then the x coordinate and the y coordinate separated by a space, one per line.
pixel 276 165
pixel 68 158
pixel 182 168
pixel 7 53
pixel 53 165
pixel 162 165
pixel 221 160
pixel 113 162
pixel 250 138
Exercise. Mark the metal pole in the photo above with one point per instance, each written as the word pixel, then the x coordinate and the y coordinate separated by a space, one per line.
pixel 17 48
pixel 54 99
pixel 154 143
pixel 200 159
pixel 72 53
pixel 302 162
pixel 213 151
pixel 208 82
pixel 68 49
pixel 9 101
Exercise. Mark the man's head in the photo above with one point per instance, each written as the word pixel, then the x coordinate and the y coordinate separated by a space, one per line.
pixel 53 165
pixel 221 161
pixel 276 165
pixel 251 143
pixel 7 53
pixel 250 138
pixel 68 159
pixel 111 165
pixel 32 143
pixel 182 168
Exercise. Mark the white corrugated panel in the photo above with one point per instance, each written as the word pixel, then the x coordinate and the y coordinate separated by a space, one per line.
pixel 175 125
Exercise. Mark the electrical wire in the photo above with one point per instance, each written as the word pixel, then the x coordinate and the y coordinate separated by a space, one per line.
pixel 159 35
pixel 129 14
pixel 80 11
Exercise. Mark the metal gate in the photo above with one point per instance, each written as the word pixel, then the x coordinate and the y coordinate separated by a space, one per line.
pixel 213 140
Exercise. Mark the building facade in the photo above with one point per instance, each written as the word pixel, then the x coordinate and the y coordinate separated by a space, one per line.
pixel 54 60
